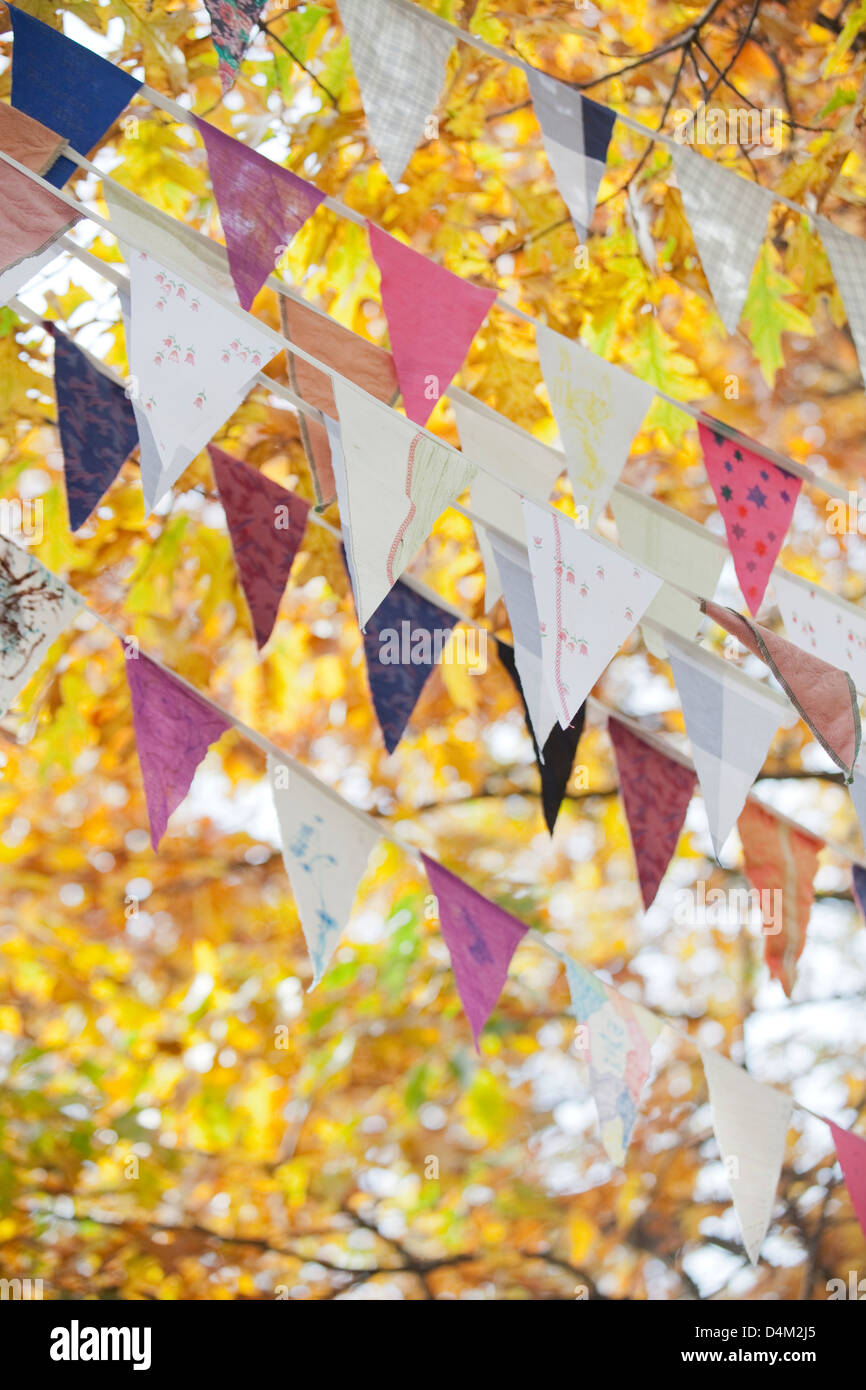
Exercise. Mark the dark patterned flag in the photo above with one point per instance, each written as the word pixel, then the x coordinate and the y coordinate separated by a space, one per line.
pixel 232 23
pixel 656 792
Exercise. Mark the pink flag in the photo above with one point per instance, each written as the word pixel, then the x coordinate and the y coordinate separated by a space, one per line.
pixel 656 793
pixel 432 318
pixel 756 500
pixel 261 206
pixel 266 523
pixel 173 730
pixel 481 939
pixel 851 1152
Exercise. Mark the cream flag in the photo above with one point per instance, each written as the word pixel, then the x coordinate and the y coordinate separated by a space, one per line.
pixel 36 606
pixel 143 227
pixel 847 255
pixel 823 624
pixel 18 275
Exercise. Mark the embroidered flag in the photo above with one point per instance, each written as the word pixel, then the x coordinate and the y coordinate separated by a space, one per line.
pixel 174 728
pixel 96 424
pixel 656 792
pixel 823 696
pixel 781 863
pixel 65 86
pixel 756 500
pixel 847 256
pixel 589 597
pixel 677 548
pixel 598 408
pixel 823 623
pixel 851 1153
pixel 615 1038
pixel 481 939
pixel 231 25
pixel 751 1126
pixel 33 218
pixel 325 850
pixel 728 217
pixel 398 481
pixel 730 721
pixel 512 565
pixel 432 318
pixel 576 133
pixel 858 875
pixel 35 607
pixel 555 762
pixel 266 523
pixel 399 60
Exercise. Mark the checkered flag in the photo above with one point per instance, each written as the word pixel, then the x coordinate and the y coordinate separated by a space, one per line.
pixel 848 262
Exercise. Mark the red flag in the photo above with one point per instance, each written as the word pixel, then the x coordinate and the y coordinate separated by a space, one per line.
pixel 851 1152
pixel 780 862
pixel 656 792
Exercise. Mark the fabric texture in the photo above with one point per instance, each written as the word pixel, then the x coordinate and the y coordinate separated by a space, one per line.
pixel 556 760
pixel 781 861
pixel 33 218
pixel 656 792
pixel 847 255
pixel 27 140
pixel 35 607
pixel 512 566
pixel 858 877
pixel 576 132
pixel 13 279
pixel 851 1153
pixel 169 241
pixel 232 23
pixel 823 624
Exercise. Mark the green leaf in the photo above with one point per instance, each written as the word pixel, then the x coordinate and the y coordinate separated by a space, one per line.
pixel 769 315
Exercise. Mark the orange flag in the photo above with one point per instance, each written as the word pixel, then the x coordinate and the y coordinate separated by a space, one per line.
pixel 780 862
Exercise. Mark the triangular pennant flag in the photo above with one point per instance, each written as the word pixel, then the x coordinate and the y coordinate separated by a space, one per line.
pixel 756 500
pixel 231 24
pixel 174 728
pixel 398 481
pixel 68 87
pixel 35 607
pixel 851 1153
pixel 589 598
pixel 728 217
pixel 730 721
pixel 481 939
pixel 28 141
pixel 822 695
pixel 325 850
pixel 857 788
pixel 266 523
pixel 751 1126
pixel 780 863
pixel 403 640
pixel 615 1038
pixel 19 275
pixel 512 566
pixel 823 623
pixel 399 60
pixel 858 876
pixel 96 423
pixel 656 792
pixel 195 257
pixel 261 207
pixel 33 218
pixel 847 255
pixel 576 133
pixel 432 318
pixel 598 408
pixel 556 761
pixel 149 461
pixel 192 361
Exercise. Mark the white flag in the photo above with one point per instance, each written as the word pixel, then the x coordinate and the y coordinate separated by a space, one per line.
pixel 512 564
pixel 398 481
pixel 751 1125
pixel 589 597
pixel 399 60
pixel 823 624
pixel 598 408
pixel 847 255
pixel 858 796
pixel 35 606
pixel 325 851
pixel 19 274
pixel 728 218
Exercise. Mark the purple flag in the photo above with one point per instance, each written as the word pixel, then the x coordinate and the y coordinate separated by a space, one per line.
pixel 858 874
pixel 481 939
pixel 261 206
pixel 174 728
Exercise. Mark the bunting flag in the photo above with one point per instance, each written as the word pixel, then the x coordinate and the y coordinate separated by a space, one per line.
pixel 35 607
pixel 266 524
pixel 556 760
pixel 231 25
pixel 656 792
pixel 616 1038
pixel 96 424
pixel 28 141
pixel 589 597
pixel 857 789
pixel 678 549
pixel 851 1153
pixel 174 728
pixel 576 133
pixel 33 218
pixel 149 461
pixel 728 217
pixel 13 279
pixel 858 876
pixel 325 850
pixel 512 565
pixel 66 86
pixel 823 696
pixel 139 224
pixel 399 61
pixel 751 1126
pixel 730 721
pixel 398 481
pixel 756 500
pixel 598 408
pixel 432 318
pixel 481 939
pixel 261 207
pixel 847 256
pixel 822 623
pixel 780 863
pixel 366 364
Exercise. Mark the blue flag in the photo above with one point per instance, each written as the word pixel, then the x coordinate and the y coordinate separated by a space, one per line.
pixel 67 87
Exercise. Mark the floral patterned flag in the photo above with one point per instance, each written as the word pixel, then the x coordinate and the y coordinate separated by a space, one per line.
pixel 33 218
pixel 266 523
pixel 325 850
pixel 231 24
pixel 851 1153
pixel 656 792
pixel 35 607
pixel 823 623
pixel 556 760
pixel 780 863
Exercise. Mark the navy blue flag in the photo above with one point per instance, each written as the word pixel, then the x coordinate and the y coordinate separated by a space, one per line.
pixel 67 87
pixel 559 750
pixel 859 876
pixel 96 424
